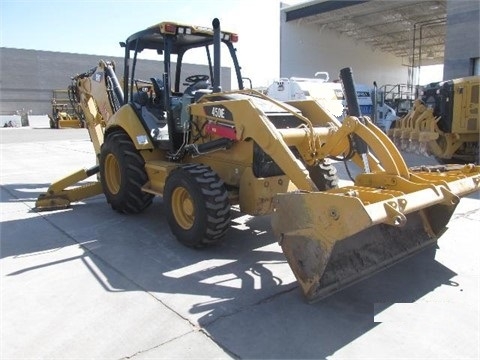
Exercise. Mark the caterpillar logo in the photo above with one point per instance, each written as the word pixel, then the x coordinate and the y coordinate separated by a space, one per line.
pixel 97 76
pixel 219 112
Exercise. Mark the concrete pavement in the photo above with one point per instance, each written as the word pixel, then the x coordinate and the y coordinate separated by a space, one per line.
pixel 87 282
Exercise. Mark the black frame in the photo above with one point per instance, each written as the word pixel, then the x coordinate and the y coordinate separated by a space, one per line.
pixel 168 44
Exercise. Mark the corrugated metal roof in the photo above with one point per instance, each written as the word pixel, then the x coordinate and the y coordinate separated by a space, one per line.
pixel 411 29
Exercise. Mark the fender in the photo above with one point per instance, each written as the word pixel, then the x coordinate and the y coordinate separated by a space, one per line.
pixel 127 120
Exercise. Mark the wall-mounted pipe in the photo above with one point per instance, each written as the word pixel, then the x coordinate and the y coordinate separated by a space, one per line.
pixel 421 24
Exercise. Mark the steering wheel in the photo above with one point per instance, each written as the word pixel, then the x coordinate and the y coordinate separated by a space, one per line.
pixel 196 78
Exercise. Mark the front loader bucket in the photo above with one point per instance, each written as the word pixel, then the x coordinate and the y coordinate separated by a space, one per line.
pixel 334 238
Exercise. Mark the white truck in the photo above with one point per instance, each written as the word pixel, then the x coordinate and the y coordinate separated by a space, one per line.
pixel 330 95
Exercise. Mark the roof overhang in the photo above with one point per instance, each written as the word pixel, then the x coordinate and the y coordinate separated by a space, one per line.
pixel 413 30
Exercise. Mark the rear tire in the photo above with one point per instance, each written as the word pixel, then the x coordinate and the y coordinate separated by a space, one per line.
pixel 197 205
pixel 122 173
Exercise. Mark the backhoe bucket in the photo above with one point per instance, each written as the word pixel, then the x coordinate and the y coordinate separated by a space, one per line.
pixel 334 238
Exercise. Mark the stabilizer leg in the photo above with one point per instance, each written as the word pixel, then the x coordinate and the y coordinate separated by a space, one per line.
pixel 59 195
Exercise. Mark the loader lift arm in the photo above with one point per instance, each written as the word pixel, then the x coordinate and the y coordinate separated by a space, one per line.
pixel 397 211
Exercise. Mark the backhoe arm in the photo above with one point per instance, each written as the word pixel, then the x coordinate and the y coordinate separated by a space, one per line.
pixel 99 95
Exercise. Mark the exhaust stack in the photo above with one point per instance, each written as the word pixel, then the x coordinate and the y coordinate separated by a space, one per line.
pixel 354 110
pixel 216 55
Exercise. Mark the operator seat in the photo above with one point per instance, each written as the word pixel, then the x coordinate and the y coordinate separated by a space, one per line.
pixel 152 118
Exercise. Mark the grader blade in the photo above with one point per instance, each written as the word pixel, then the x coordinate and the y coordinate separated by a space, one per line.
pixel 334 238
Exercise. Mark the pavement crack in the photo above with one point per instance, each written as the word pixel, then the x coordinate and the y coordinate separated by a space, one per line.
pixel 202 331
pixel 246 307
pixel 156 346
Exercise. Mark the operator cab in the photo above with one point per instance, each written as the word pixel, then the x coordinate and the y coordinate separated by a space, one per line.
pixel 164 107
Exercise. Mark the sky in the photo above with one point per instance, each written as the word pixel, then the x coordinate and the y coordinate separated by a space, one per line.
pixel 97 26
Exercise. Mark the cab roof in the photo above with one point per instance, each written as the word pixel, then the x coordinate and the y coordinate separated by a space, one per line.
pixel 186 37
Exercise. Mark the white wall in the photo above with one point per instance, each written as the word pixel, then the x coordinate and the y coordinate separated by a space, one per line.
pixel 305 49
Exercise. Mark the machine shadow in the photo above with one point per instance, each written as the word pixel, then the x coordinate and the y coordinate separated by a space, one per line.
pixel 241 292
pixel 141 249
pixel 289 328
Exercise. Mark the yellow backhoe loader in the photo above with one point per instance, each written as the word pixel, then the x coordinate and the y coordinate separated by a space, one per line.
pixel 444 121
pixel 203 150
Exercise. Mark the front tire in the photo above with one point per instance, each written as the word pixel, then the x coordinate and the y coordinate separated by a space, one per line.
pixel 197 205
pixel 122 173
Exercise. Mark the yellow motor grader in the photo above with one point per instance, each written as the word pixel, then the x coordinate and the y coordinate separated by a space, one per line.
pixel 444 121
pixel 203 150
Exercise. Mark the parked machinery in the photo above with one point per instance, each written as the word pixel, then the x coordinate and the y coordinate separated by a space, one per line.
pixel 444 121
pixel 65 114
pixel 203 150
pixel 400 97
pixel 330 96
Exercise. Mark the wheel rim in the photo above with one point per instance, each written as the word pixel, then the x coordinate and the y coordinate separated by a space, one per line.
pixel 112 174
pixel 182 208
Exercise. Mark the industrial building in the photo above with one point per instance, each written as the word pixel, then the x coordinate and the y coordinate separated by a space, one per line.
pixel 28 77
pixel 383 41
